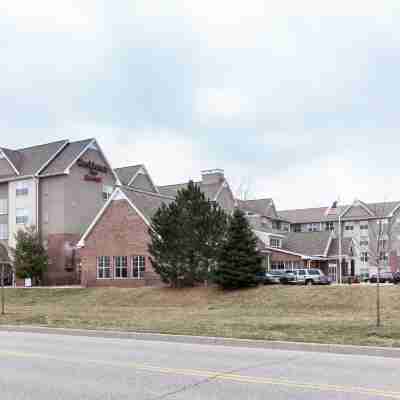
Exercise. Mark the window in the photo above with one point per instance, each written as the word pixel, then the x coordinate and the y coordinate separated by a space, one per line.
pixel 274 242
pixel 2 155
pixel 107 192
pixel 276 225
pixel 138 266
pixel 3 231
pixel 296 228
pixel 349 227
pixel 277 265
pixel 3 206
pixel 22 216
pixel 363 242
pixel 364 257
pixel 383 256
pixel 363 226
pixel 22 188
pixel 329 226
pixel 314 227
pixel 104 267
pixel 121 267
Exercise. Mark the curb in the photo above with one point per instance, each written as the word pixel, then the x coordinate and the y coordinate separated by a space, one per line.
pixel 387 352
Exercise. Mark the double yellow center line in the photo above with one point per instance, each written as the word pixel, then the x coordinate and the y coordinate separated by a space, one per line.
pixel 213 375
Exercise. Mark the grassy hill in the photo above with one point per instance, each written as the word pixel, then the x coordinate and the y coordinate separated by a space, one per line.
pixel 313 314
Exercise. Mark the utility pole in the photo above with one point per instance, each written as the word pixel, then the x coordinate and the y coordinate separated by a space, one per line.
pixel 2 290
pixel 340 250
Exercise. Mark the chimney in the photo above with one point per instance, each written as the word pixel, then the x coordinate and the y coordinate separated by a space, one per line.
pixel 212 176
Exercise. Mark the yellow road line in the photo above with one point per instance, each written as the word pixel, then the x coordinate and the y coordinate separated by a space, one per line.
pixel 215 375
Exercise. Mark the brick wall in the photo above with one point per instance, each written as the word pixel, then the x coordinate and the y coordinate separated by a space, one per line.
pixel 119 232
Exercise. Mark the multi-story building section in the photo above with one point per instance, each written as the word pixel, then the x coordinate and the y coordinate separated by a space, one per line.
pixel 114 248
pixel 360 222
pixel 58 188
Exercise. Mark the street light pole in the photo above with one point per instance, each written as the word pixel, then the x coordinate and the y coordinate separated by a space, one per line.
pixel 340 251
pixel 2 291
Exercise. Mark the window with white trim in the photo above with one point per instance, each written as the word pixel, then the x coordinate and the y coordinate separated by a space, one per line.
pixel 22 188
pixel 349 227
pixel 107 192
pixel 21 216
pixel 275 242
pixel 277 266
pixel 363 242
pixel 363 226
pixel 121 267
pixel 329 226
pixel 364 257
pixel 3 206
pixel 3 231
pixel 104 270
pixel 138 266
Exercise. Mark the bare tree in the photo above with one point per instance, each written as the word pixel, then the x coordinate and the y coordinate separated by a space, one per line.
pixel 243 190
pixel 380 247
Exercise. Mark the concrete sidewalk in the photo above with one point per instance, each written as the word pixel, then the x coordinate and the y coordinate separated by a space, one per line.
pixel 388 352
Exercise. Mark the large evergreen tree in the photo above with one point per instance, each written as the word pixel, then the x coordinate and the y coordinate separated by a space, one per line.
pixel 30 256
pixel 239 261
pixel 186 236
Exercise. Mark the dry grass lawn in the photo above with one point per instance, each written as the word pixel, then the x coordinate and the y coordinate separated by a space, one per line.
pixel 311 314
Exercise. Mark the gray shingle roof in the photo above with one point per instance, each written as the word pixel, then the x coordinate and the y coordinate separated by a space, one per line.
pixel 13 156
pixel 66 157
pixel 29 160
pixel 259 206
pixel 307 243
pixel 307 215
pixel 147 203
pixel 210 190
pixel 334 247
pixel 125 174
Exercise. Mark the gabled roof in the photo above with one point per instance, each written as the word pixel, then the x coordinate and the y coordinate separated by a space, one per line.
pixel 210 190
pixel 13 158
pixel 145 204
pixel 29 161
pixel 148 203
pixel 307 243
pixel 308 215
pixel 125 174
pixel 346 247
pixel 64 160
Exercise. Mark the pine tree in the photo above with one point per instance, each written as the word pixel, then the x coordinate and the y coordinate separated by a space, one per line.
pixel 239 261
pixel 186 236
pixel 30 257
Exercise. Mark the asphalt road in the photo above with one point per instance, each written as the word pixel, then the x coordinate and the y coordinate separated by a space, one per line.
pixel 49 367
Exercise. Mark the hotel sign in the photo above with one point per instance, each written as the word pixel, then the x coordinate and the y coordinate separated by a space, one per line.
pixel 94 170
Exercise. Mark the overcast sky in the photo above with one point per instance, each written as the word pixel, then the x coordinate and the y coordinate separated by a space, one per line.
pixel 299 105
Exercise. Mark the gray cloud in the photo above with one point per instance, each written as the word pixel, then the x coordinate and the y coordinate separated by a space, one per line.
pixel 292 103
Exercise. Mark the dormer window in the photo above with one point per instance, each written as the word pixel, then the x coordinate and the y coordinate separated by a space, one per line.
pixel 2 155
pixel 275 242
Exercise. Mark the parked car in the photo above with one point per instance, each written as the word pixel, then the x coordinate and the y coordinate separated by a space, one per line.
pixel 384 277
pixel 288 277
pixel 306 276
pixel 396 278
pixel 269 278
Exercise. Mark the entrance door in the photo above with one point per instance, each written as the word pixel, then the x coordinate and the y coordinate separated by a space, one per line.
pixel 8 276
pixel 332 272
